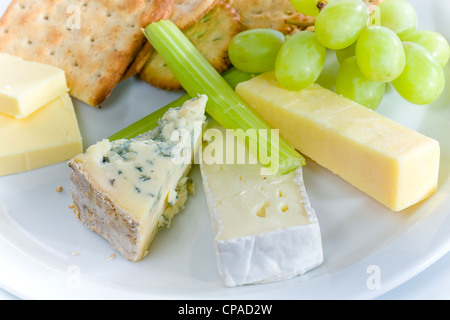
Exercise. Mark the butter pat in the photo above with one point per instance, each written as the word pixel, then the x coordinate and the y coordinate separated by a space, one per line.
pixel 391 163
pixel 48 136
pixel 27 86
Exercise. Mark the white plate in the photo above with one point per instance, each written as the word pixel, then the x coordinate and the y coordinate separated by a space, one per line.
pixel 368 249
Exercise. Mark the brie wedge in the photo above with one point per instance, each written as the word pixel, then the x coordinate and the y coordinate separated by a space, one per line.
pixel 127 190
pixel 265 228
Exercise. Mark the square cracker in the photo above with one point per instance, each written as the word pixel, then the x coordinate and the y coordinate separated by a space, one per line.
pixel 211 35
pixel 272 14
pixel 93 41
pixel 185 13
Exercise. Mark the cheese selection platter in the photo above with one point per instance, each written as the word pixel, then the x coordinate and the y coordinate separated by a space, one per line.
pixel 345 244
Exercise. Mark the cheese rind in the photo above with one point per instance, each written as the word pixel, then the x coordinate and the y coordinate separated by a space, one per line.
pixel 48 136
pixel 265 228
pixel 126 190
pixel 393 164
pixel 26 86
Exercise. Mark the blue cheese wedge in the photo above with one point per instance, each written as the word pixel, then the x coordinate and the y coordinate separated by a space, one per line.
pixel 127 190
pixel 265 228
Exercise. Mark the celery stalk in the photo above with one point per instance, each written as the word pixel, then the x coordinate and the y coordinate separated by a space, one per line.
pixel 197 76
pixel 232 76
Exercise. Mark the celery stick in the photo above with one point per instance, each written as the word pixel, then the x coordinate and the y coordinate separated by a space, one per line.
pixel 232 76
pixel 197 76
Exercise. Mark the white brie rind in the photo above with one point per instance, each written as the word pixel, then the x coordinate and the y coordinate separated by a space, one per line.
pixel 265 228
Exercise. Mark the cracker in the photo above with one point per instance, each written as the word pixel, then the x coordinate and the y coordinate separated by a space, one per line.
pixel 144 53
pixel 273 14
pixel 93 41
pixel 211 35
pixel 138 62
pixel 185 13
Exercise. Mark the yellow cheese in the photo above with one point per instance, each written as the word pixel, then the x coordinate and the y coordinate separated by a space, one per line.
pixel 47 136
pixel 27 86
pixel 393 164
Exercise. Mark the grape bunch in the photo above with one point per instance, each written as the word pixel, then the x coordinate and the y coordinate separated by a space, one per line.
pixel 373 48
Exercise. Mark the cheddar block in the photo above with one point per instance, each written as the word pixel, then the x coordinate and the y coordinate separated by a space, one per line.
pixel 48 136
pixel 26 86
pixel 391 163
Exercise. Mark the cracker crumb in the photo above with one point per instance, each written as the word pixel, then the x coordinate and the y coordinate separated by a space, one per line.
pixel 76 252
pixel 112 256
pixel 59 189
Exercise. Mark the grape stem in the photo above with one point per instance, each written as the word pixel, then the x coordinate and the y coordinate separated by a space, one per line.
pixel 322 4
pixel 308 23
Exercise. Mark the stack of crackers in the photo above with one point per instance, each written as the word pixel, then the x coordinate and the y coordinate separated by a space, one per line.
pixel 93 41
pixel 212 24
pixel 99 43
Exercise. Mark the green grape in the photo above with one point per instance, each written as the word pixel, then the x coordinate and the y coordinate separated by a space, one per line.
pixel 345 53
pixel 309 7
pixel 398 15
pixel 340 23
pixel 423 80
pixel 433 41
pixel 380 54
pixel 351 84
pixel 300 61
pixel 255 51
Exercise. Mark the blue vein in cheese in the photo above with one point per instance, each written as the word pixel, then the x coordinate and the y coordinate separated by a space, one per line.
pixel 141 174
